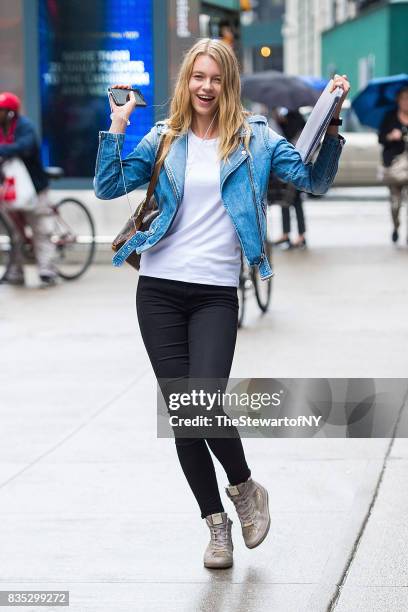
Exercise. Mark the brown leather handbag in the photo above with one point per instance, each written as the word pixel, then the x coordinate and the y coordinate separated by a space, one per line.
pixel 143 216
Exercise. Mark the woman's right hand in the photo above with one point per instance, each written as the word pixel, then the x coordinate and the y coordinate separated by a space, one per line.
pixel 127 109
pixel 395 134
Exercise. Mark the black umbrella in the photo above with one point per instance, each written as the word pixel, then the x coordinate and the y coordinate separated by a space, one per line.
pixel 274 89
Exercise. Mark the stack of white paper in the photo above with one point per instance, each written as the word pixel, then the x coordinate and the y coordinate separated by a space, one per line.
pixel 318 122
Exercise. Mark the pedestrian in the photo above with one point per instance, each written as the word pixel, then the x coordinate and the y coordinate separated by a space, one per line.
pixel 18 139
pixel 211 198
pixel 292 124
pixel 393 135
pixel 226 32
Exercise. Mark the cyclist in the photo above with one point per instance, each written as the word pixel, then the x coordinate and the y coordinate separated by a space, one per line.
pixel 18 139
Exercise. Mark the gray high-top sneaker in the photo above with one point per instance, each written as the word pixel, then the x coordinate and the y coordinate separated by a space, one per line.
pixel 251 503
pixel 218 554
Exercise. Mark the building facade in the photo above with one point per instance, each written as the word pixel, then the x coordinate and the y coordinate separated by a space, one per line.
pixel 360 38
pixel 60 57
pixel 261 32
pixel 304 22
pixel 372 43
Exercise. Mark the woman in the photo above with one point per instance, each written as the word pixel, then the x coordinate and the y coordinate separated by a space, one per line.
pixel 393 136
pixel 210 193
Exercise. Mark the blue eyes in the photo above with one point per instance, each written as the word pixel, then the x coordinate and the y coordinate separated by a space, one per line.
pixel 198 76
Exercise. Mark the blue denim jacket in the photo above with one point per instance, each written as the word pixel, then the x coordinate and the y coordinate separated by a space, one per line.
pixel 243 181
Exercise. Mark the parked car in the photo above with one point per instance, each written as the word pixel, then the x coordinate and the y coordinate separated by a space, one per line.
pixel 361 156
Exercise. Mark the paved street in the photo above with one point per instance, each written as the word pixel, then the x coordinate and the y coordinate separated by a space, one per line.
pixel 92 502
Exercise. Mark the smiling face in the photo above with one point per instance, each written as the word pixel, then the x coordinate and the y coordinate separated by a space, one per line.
pixel 205 85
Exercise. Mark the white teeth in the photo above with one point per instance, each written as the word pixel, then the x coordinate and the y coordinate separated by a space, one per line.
pixel 205 98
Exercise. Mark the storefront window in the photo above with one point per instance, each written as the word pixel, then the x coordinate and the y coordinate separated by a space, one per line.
pixel 84 48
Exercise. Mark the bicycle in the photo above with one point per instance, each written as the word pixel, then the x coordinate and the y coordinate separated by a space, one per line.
pixel 74 235
pixel 278 193
pixel 249 279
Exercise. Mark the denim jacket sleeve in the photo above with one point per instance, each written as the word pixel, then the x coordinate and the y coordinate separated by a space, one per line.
pixel 137 166
pixel 315 177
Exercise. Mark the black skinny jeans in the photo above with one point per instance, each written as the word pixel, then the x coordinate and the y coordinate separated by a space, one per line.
pixel 189 331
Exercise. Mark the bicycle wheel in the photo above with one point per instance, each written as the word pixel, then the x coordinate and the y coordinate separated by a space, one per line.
pixel 5 245
pixel 263 289
pixel 74 238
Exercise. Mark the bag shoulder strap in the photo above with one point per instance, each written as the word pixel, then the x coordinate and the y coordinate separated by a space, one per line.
pixel 155 175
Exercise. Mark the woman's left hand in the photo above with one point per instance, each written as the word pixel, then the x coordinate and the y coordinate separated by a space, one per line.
pixel 343 83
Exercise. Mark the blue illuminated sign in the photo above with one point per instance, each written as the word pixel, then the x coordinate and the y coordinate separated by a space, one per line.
pixel 84 48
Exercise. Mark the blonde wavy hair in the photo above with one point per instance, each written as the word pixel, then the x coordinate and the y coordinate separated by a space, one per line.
pixel 231 113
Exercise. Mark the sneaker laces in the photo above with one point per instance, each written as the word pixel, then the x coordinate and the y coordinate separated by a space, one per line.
pixel 219 536
pixel 245 508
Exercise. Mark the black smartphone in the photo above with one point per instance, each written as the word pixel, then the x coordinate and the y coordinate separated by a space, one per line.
pixel 121 96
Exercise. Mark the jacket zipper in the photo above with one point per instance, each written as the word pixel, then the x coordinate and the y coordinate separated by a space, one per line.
pixel 175 197
pixel 263 255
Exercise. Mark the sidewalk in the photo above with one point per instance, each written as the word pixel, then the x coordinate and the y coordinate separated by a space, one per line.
pixel 92 502
pixel 377 572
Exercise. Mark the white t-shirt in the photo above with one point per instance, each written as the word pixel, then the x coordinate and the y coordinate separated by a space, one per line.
pixel 201 245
